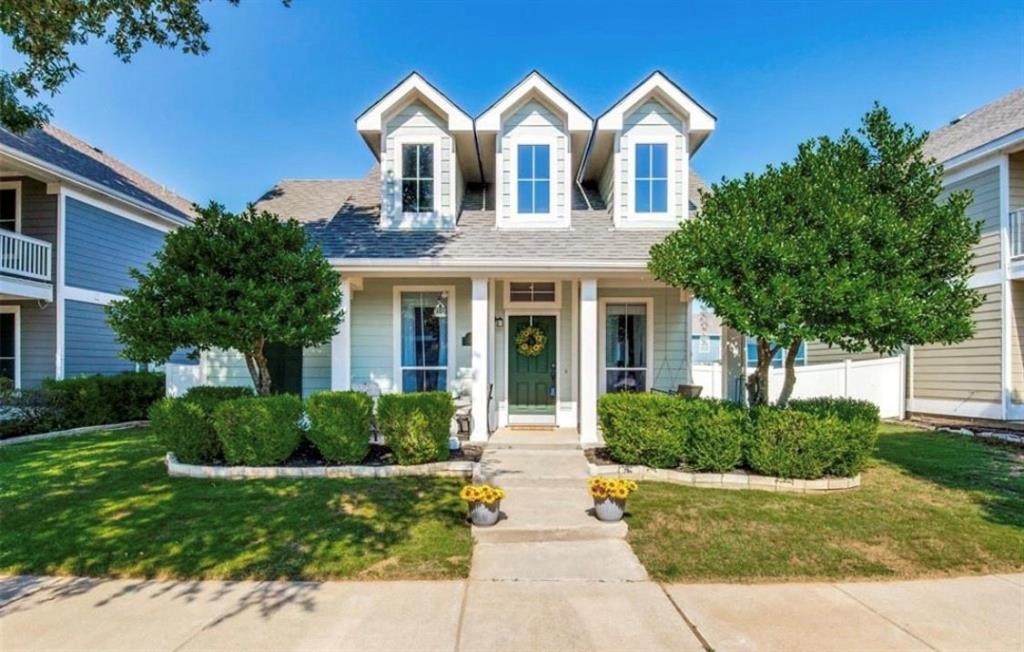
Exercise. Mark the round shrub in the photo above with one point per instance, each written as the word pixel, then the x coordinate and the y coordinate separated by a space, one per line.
pixel 644 428
pixel 339 425
pixel 212 395
pixel 857 430
pixel 259 431
pixel 185 429
pixel 716 434
pixel 416 426
pixel 792 444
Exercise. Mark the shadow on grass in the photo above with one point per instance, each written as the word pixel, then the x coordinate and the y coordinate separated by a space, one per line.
pixel 993 474
pixel 104 506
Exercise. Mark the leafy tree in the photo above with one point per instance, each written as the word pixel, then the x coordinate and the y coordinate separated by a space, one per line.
pixel 230 282
pixel 848 244
pixel 43 31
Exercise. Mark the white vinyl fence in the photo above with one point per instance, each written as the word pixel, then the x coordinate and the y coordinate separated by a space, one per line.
pixel 181 377
pixel 880 381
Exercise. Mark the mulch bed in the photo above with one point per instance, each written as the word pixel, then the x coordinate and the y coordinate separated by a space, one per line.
pixel 599 456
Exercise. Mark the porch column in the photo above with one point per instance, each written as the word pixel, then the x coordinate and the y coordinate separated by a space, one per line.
pixel 341 343
pixel 480 351
pixel 588 360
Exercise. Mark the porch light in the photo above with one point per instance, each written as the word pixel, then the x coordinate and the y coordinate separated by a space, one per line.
pixel 441 307
pixel 499 322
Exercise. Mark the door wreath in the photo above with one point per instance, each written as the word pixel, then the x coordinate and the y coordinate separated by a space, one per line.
pixel 530 341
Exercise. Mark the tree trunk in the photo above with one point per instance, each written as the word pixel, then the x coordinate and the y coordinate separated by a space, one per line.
pixel 790 382
pixel 757 382
pixel 256 362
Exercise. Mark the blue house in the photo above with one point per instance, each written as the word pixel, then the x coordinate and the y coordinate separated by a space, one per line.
pixel 73 221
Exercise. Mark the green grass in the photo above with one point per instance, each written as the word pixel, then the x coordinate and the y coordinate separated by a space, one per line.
pixel 104 505
pixel 930 504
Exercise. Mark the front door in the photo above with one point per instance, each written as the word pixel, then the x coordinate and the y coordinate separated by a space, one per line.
pixel 532 368
pixel 285 365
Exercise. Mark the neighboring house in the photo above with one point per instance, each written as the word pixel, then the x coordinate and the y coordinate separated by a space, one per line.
pixel 72 222
pixel 470 231
pixel 705 335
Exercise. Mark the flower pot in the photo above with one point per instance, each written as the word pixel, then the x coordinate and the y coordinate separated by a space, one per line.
pixel 482 514
pixel 609 509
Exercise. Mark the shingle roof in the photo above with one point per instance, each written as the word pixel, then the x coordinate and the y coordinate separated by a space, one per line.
pixel 63 150
pixel 342 216
pixel 977 128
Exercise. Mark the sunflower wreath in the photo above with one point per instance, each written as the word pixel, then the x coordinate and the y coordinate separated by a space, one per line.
pixel 530 341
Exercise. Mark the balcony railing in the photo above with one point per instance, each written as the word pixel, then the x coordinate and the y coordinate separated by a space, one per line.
pixel 23 256
pixel 1017 233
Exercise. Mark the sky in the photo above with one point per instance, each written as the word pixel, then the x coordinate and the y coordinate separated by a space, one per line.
pixel 279 91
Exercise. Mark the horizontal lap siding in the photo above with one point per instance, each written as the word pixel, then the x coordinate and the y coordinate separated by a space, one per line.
pixel 984 209
pixel 670 364
pixel 90 346
pixel 1016 181
pixel 1016 341
pixel 653 122
pixel 970 370
pixel 101 247
pixel 417 122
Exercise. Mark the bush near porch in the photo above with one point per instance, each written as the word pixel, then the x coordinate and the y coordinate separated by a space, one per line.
pixel 809 439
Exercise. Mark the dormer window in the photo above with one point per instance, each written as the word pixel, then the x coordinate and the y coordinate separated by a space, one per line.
pixel 417 178
pixel 652 178
pixel 534 179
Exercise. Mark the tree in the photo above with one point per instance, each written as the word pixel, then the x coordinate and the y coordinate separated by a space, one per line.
pixel 849 244
pixel 230 282
pixel 43 31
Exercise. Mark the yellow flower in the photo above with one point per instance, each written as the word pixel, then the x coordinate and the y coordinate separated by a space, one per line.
pixel 604 487
pixel 481 493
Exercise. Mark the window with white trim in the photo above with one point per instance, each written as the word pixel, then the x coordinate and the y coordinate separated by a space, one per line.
pixel 8 346
pixel 651 171
pixel 534 179
pixel 417 178
pixel 424 341
pixel 625 353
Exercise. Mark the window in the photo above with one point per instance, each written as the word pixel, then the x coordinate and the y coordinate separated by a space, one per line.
pixel 533 292
pixel 778 360
pixel 9 207
pixel 417 178
pixel 424 341
pixel 705 344
pixel 652 178
pixel 534 179
pixel 8 346
pixel 625 353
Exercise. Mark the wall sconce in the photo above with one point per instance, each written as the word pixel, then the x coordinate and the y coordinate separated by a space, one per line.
pixel 499 322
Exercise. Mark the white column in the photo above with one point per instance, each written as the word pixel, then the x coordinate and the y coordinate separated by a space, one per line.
pixel 341 343
pixel 480 350
pixel 589 373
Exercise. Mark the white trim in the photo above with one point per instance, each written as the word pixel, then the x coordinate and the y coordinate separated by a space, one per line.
pixel 480 358
pixel 401 219
pixel 588 360
pixel 697 118
pixel 534 83
pixel 968 171
pixel 85 295
pixel 396 327
pixel 533 419
pixel 602 369
pixel 372 120
pixel 341 342
pixel 1005 142
pixel 363 265
pixel 58 282
pixel 120 212
pixel 958 408
pixel 528 305
pixel 24 288
pixel 16 311
pixel 1006 305
pixel 515 219
pixel 18 192
pixel 573 418
pixel 662 219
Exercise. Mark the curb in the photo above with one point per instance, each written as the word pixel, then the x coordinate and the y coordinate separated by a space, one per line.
pixel 731 480
pixel 84 430
pixel 458 468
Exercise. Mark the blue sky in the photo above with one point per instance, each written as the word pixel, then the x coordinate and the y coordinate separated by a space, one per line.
pixel 278 94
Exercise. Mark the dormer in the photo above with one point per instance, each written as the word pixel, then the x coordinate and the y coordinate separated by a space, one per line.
pixel 640 154
pixel 427 154
pixel 531 144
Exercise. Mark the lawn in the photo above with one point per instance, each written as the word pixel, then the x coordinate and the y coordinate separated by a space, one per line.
pixel 930 505
pixel 104 505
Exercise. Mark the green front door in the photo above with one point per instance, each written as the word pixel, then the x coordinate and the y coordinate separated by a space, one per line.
pixel 285 365
pixel 531 378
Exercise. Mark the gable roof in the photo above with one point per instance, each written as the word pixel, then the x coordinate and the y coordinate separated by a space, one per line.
pixel 978 128
pixel 534 81
pixel 65 155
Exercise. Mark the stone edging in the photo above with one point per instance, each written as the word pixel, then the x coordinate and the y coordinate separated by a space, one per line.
pixel 731 480
pixel 84 430
pixel 456 468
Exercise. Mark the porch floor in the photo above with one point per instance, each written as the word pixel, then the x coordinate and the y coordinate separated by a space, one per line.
pixel 534 438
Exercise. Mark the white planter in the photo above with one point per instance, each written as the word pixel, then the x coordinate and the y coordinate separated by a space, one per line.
pixel 609 510
pixel 484 515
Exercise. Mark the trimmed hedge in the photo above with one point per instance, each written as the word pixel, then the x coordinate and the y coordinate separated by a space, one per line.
pixel 339 425
pixel 810 439
pixel 185 425
pixel 97 400
pixel 259 431
pixel 416 426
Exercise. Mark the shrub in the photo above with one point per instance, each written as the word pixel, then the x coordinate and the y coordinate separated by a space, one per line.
pixel 259 431
pixel 185 428
pixel 28 412
pixel 210 396
pixel 96 400
pixel 716 433
pixel 416 426
pixel 792 444
pixel 340 425
pixel 644 428
pixel 858 430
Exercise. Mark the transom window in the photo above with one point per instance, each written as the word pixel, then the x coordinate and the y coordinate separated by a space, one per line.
pixel 9 209
pixel 424 341
pixel 531 292
pixel 417 178
pixel 625 352
pixel 652 178
pixel 534 178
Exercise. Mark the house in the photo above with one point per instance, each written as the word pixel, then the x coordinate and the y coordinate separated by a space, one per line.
pixel 73 220
pixel 504 256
